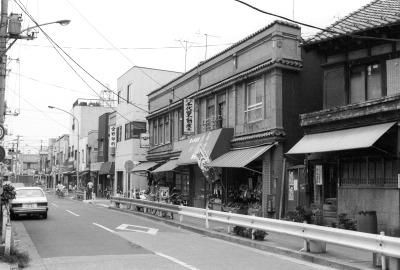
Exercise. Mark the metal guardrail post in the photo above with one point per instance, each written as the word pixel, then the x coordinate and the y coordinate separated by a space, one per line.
pixel 229 225
pixel 8 239
pixel 207 224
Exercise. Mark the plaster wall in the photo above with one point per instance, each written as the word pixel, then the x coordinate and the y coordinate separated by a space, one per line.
pixel 384 201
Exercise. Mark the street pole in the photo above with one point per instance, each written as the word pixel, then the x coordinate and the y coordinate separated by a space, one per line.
pixel 3 58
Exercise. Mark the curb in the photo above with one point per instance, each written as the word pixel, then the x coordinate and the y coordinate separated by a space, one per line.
pixel 308 257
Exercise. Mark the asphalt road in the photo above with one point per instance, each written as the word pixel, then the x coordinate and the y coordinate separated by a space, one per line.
pixel 77 235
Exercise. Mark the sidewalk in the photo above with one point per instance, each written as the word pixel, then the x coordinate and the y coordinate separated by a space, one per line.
pixel 336 257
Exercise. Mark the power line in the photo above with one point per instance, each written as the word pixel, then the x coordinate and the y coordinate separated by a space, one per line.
pixel 319 28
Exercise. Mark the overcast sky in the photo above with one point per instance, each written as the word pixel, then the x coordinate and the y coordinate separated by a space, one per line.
pixel 146 33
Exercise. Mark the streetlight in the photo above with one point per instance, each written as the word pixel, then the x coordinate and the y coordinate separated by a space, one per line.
pixel 14 32
pixel 77 155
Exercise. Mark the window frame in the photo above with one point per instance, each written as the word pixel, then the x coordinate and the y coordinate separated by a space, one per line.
pixel 257 105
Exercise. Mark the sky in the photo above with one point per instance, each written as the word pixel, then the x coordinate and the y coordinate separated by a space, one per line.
pixel 107 38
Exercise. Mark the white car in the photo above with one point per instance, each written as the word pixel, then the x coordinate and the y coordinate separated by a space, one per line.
pixel 29 201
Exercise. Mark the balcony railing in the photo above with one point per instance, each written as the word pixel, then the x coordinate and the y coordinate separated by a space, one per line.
pixel 214 122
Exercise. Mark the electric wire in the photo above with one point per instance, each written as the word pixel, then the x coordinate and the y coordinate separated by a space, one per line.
pixel 316 27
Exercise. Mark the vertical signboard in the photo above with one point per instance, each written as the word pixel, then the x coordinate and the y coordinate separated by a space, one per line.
pixel 112 142
pixel 144 140
pixel 291 186
pixel 188 116
pixel 318 175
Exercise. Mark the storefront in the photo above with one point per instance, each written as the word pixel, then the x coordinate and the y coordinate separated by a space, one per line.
pixel 105 179
pixel 240 189
pixel 199 151
pixel 141 178
pixel 353 169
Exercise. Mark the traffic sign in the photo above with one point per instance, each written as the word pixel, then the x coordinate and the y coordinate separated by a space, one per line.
pixel 128 165
pixel 2 132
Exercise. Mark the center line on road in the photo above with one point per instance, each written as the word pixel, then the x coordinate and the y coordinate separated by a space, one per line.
pixel 54 204
pixel 72 213
pixel 188 266
pixel 105 228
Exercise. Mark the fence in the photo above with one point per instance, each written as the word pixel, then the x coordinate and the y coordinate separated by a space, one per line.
pixel 315 237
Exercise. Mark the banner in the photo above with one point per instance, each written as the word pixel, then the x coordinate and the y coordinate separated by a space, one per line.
pixel 319 180
pixel 188 116
pixel 112 142
pixel 203 159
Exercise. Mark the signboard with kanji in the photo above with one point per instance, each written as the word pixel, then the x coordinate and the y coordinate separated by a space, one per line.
pixel 144 140
pixel 188 116
pixel 112 142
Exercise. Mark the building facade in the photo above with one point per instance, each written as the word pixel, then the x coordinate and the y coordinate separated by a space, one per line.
pixel 352 142
pixel 242 108
pixel 132 109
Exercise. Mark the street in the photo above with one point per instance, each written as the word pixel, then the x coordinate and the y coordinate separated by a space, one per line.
pixel 77 235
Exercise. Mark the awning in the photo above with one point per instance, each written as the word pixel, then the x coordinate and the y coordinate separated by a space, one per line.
pixel 353 138
pixel 145 166
pixel 169 166
pixel 215 143
pixel 239 158
pixel 107 168
pixel 83 173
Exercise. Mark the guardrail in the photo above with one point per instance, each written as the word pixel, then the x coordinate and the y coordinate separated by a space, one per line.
pixel 315 237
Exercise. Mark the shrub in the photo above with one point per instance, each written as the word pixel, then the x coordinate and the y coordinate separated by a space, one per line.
pixel 345 223
pixel 8 193
pixel 247 232
pixel 16 256
pixel 299 215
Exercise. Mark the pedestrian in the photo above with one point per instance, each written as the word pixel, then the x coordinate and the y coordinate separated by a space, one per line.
pixel 90 189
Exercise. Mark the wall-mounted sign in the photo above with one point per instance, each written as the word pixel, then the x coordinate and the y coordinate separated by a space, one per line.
pixel 112 142
pixel 319 180
pixel 188 116
pixel 144 140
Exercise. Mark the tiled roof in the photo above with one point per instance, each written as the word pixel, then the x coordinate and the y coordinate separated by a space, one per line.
pixel 286 62
pixel 376 14
pixel 268 134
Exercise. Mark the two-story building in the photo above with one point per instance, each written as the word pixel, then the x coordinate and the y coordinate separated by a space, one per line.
pixel 352 142
pixel 241 107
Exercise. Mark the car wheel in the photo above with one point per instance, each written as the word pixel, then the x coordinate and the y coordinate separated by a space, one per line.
pixel 44 216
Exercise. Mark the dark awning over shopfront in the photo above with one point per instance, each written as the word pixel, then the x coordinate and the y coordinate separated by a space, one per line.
pixel 239 158
pixel 353 138
pixel 145 166
pixel 83 173
pixel 216 143
pixel 107 168
pixel 169 166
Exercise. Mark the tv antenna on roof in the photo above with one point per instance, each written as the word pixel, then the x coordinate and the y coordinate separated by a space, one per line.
pixel 207 35
pixel 184 44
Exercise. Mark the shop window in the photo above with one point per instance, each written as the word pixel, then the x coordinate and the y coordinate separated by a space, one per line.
pixel 369 171
pixel 334 88
pixel 119 134
pixel 180 123
pixel 365 82
pixel 221 111
pixel 133 129
pixel 167 128
pixel 161 130
pixel 155 133
pixel 128 92
pixel 119 97
pixel 254 101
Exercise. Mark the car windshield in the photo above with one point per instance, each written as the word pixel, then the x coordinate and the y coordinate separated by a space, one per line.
pixel 29 193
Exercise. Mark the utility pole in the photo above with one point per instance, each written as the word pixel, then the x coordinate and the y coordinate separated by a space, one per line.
pixel 3 58
pixel 17 160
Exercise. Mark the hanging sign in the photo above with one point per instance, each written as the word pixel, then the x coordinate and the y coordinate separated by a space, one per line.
pixel 318 175
pixel 398 180
pixel 188 116
pixel 112 142
pixel 291 186
pixel 203 159
pixel 144 140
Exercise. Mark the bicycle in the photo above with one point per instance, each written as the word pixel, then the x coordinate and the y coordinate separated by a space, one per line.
pixel 60 193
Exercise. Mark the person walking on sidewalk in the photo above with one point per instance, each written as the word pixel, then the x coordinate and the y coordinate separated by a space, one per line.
pixel 90 189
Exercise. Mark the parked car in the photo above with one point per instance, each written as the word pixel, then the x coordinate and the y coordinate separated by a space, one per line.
pixel 17 185
pixel 29 201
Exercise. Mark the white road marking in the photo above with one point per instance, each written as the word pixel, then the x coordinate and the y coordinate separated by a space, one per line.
pixel 104 205
pixel 105 228
pixel 72 213
pixel 188 266
pixel 134 228
pixel 54 204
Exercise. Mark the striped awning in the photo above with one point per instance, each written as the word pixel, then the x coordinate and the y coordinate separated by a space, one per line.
pixel 339 140
pixel 239 158
pixel 145 166
pixel 169 166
